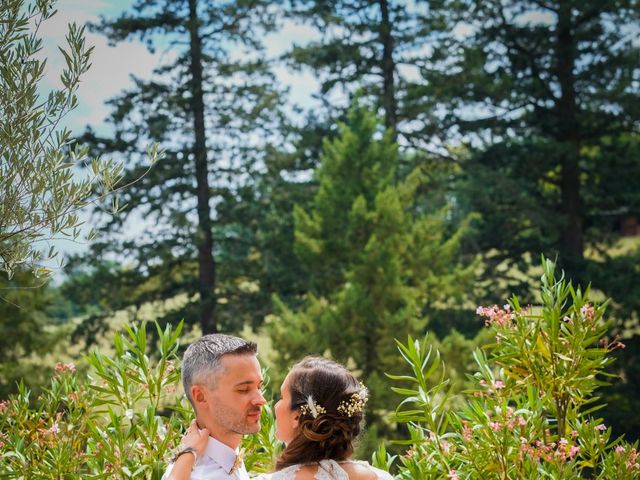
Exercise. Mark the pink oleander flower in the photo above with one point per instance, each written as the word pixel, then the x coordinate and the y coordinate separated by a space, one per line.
pixel 496 316
pixel 4 405
pixel 498 384
pixel 65 367
pixel 632 463
pixel 467 431
pixel 588 311
pixel 601 428
pixel 447 447
pixel 574 434
pixel 495 426
pixel 573 451
pixel 453 475
pixel 410 453
pixel 521 421
pixel 568 320
pixel 620 450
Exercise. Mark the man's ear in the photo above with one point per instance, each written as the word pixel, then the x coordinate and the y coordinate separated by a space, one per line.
pixel 197 394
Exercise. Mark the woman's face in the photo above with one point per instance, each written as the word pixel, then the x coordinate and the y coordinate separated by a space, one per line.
pixel 286 419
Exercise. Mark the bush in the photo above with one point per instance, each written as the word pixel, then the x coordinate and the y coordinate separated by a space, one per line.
pixel 123 421
pixel 529 415
pixel 530 412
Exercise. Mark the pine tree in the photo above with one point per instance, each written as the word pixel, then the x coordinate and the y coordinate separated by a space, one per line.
pixel 366 46
pixel 376 264
pixel 213 110
pixel 545 94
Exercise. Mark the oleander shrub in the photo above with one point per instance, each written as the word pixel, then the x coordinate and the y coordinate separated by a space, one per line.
pixel 532 412
pixel 121 421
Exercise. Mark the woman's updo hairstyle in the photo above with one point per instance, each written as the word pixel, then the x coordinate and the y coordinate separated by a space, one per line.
pixel 328 432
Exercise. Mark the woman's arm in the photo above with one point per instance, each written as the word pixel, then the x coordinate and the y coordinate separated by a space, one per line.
pixel 196 439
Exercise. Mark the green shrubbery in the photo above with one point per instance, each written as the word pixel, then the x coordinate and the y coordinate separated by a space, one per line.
pixel 530 414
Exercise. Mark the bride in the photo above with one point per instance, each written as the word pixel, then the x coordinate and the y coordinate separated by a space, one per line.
pixel 318 417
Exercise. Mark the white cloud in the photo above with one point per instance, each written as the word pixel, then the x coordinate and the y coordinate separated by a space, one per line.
pixel 302 83
pixel 289 35
pixel 111 66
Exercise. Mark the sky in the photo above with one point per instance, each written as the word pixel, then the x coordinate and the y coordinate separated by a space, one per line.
pixel 113 67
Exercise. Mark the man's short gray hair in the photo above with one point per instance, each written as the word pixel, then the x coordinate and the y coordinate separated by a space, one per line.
pixel 201 361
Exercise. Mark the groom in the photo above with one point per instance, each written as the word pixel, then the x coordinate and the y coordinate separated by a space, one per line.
pixel 223 381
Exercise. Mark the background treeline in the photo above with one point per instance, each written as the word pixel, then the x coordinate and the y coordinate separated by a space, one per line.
pixel 451 143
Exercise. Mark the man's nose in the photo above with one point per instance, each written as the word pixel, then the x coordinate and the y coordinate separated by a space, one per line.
pixel 259 399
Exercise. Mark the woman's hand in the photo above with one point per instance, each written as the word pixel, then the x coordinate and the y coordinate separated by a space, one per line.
pixel 196 439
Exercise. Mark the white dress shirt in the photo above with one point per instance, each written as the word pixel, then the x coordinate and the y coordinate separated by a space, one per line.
pixel 215 464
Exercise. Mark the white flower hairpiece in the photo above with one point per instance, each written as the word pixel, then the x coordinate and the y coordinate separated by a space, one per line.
pixel 355 404
pixel 312 408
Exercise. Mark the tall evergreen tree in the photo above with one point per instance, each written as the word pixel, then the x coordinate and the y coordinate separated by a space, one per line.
pixel 368 45
pixel 545 93
pixel 376 263
pixel 213 109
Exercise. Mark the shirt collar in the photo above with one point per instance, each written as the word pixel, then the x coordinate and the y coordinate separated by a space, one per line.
pixel 220 453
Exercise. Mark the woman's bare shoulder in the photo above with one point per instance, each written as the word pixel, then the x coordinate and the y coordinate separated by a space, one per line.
pixel 359 470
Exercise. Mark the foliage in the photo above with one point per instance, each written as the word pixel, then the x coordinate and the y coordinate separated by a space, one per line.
pixel 214 108
pixel 123 420
pixel 528 415
pixel 25 330
pixel 530 412
pixel 40 193
pixel 376 263
pixel 543 94
pixel 372 48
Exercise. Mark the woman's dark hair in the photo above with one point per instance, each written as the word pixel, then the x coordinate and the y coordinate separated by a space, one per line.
pixel 332 433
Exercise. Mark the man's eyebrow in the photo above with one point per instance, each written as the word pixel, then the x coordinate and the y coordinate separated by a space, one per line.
pixel 248 382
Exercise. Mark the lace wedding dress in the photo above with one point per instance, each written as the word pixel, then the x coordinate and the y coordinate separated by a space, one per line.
pixel 327 470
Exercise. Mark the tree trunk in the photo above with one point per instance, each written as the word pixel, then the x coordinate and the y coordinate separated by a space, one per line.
pixel 204 235
pixel 388 71
pixel 571 242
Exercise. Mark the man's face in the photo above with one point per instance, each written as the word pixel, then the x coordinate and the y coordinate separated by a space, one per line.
pixel 234 405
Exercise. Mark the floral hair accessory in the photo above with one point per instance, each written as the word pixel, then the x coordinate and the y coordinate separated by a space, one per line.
pixel 312 408
pixel 355 404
